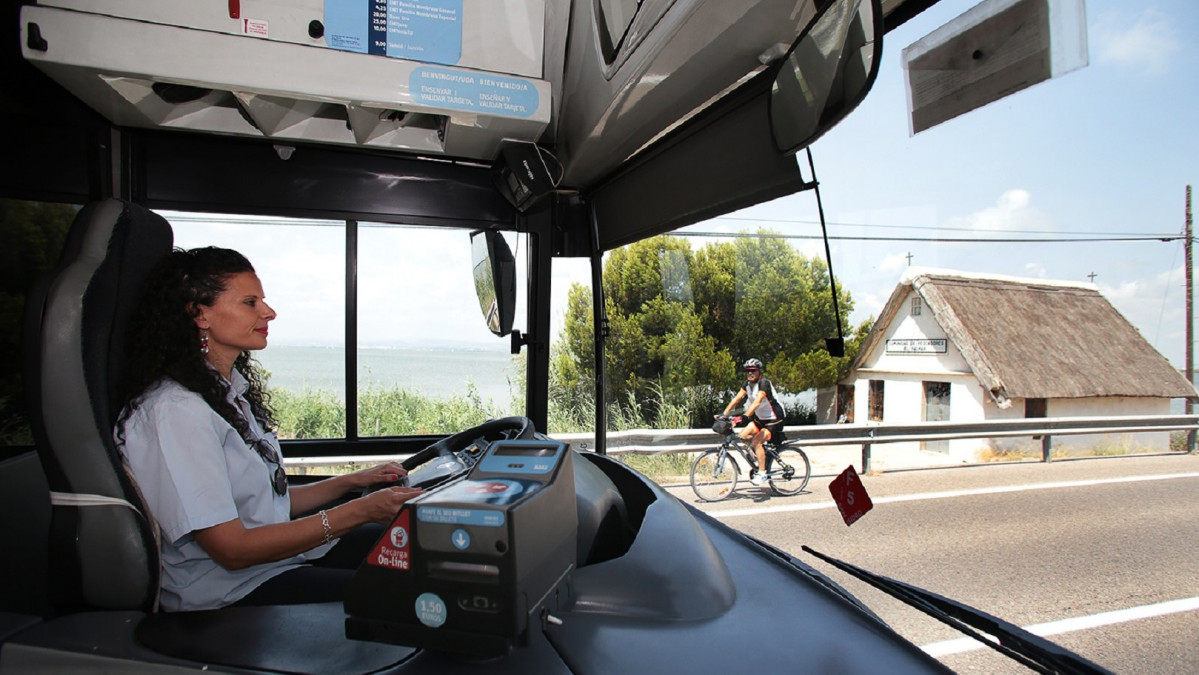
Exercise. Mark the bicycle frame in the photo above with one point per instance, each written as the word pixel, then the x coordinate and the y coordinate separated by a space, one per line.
pixel 745 448
pixel 710 471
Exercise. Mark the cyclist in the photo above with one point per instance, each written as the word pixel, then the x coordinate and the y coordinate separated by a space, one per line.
pixel 763 414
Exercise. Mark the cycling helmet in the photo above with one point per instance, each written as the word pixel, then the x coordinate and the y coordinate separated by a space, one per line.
pixel 752 364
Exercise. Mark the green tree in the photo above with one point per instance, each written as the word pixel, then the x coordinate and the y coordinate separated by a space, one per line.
pixel 680 321
pixel 31 239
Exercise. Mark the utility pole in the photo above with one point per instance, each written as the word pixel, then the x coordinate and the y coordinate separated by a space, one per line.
pixel 1190 348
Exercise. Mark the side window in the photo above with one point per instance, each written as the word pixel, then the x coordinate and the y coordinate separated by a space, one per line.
pixel 572 352
pixel 615 18
pixel 302 267
pixel 31 238
pixel 415 358
pixel 427 364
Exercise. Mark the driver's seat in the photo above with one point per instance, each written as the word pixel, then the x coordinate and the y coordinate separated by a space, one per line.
pixel 103 549
pixel 103 552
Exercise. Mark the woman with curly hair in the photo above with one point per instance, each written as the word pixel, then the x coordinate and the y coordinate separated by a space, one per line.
pixel 196 431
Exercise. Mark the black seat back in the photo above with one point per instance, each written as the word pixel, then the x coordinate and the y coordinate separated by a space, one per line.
pixel 103 551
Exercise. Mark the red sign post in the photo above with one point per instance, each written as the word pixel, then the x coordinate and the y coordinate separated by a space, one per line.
pixel 850 495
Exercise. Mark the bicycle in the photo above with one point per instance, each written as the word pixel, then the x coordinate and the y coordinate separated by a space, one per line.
pixel 714 473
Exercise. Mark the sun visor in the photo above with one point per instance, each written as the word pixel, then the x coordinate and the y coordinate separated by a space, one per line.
pixel 997 48
pixel 420 77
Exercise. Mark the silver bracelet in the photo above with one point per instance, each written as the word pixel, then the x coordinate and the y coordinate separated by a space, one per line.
pixel 325 524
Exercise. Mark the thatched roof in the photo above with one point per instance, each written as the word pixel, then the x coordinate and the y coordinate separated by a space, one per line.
pixel 1027 338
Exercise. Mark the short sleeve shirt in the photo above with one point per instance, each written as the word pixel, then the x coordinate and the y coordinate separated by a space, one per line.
pixel 195 471
pixel 765 410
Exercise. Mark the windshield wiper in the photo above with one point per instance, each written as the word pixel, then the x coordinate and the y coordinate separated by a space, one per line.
pixel 1009 639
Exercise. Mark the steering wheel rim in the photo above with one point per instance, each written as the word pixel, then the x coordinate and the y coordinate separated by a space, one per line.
pixel 456 442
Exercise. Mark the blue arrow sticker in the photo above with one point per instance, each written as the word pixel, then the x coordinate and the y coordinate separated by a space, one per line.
pixel 460 539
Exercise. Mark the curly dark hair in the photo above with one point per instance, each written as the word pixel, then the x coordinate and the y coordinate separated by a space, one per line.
pixel 163 341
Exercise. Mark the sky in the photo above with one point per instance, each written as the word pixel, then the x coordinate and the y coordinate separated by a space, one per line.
pixel 1106 150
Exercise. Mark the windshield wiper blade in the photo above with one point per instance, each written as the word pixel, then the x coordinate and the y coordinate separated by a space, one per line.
pixel 1033 651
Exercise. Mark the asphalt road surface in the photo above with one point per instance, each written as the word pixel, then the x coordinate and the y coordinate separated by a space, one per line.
pixel 1100 555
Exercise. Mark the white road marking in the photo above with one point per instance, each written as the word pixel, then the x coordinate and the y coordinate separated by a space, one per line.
pixel 787 508
pixel 966 644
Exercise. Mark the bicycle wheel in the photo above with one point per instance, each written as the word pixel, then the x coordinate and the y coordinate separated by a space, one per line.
pixel 796 471
pixel 714 475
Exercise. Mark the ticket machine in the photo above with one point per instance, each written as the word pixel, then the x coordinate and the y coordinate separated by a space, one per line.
pixel 474 566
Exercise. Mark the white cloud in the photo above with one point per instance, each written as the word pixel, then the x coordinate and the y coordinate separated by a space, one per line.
pixel 1013 210
pixel 1145 44
pixel 895 263
pixel 1035 270
pixel 1155 306
pixel 867 305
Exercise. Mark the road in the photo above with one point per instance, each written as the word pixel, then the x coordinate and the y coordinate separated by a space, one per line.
pixel 1111 544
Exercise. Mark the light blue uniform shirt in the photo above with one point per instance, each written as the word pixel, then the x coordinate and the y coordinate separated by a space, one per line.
pixel 195 471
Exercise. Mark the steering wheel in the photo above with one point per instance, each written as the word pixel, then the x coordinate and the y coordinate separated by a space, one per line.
pixel 425 471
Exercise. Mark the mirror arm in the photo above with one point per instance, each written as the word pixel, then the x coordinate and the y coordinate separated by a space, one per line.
pixel 520 339
pixel 836 346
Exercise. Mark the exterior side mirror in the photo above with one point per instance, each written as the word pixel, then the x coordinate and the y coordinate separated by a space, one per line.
pixel 826 73
pixel 495 280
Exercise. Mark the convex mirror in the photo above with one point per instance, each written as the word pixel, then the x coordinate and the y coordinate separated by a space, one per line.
pixel 495 280
pixel 826 73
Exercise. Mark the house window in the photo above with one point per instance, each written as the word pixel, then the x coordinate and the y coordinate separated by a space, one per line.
pixel 876 400
pixel 917 305
pixel 936 401
pixel 1036 407
pixel 845 403
pixel 936 409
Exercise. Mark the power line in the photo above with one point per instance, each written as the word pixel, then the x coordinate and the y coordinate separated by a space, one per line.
pixel 792 221
pixel 946 240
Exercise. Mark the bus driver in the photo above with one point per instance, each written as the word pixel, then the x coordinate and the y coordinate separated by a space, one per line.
pixel 195 430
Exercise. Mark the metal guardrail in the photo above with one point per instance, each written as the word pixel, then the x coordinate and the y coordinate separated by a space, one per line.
pixel 664 441
pixel 661 441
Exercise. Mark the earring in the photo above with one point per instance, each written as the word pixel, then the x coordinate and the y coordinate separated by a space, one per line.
pixel 203 342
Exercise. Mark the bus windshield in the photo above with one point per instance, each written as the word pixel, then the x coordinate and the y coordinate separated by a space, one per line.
pixel 877 234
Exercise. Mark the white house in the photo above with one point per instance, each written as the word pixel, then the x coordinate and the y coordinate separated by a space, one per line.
pixel 968 348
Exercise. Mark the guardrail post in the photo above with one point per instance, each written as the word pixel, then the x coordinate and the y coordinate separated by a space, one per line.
pixel 1046 448
pixel 865 458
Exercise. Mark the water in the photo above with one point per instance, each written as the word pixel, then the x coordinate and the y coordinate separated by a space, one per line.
pixel 432 372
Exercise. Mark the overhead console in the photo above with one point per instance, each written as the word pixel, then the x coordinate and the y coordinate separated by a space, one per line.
pixel 452 77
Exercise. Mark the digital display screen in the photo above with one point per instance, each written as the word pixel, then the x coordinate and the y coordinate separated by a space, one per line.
pixel 526 451
pixel 522 457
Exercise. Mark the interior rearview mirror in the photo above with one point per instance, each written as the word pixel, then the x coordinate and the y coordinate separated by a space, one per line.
pixel 826 73
pixel 495 280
